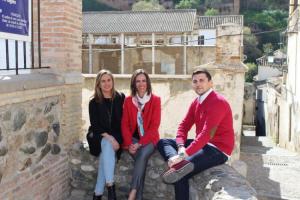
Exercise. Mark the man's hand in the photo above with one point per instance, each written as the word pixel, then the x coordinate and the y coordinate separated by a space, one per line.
pixel 182 153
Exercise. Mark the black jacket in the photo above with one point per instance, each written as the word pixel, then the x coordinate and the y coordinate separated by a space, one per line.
pixel 99 118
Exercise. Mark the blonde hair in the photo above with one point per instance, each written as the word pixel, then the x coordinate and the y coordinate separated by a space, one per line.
pixel 98 95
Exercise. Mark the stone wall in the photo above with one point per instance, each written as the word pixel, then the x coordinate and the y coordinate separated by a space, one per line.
pixel 40 111
pixel 33 141
pixel 220 182
pixel 249 104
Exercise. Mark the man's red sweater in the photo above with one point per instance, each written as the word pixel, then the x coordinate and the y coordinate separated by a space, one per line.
pixel 213 114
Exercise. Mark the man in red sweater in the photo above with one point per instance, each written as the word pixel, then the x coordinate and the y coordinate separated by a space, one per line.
pixel 214 140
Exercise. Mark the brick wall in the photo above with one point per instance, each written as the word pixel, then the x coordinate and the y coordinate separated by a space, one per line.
pixel 61 24
pixel 49 180
pixel 40 112
pixel 33 144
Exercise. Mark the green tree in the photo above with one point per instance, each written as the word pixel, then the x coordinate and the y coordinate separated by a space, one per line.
pixel 267 20
pixel 94 5
pixel 212 3
pixel 147 5
pixel 252 71
pixel 184 4
pixel 187 4
pixel 268 48
pixel 250 46
pixel 211 12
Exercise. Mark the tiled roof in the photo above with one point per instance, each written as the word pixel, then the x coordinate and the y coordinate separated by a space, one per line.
pixel 210 22
pixel 169 21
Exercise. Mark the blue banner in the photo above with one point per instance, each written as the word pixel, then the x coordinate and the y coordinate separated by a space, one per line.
pixel 14 17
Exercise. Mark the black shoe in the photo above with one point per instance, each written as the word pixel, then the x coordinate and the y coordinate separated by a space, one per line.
pixel 111 191
pixel 97 197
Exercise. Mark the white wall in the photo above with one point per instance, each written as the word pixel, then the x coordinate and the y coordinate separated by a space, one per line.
pixel 267 72
pixel 12 54
pixel 209 36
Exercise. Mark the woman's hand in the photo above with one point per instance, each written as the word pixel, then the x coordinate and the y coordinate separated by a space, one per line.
pixel 133 148
pixel 113 141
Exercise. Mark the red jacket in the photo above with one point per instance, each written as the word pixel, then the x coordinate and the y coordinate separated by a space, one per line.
pixel 151 121
pixel 213 113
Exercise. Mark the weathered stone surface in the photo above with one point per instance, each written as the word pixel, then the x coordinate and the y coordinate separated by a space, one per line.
pixel 3 150
pixel 7 116
pixel 41 138
pixel 56 128
pixel 28 149
pixel 45 151
pixel 55 149
pixel 0 134
pixel 87 168
pixel 38 110
pixel 26 163
pixel 75 161
pixel 19 119
pixel 49 106
pixel 50 118
pixel 29 136
pixel 220 182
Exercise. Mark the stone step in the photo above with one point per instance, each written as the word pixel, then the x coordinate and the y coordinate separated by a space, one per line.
pixel 259 141
pixel 273 171
pixel 269 198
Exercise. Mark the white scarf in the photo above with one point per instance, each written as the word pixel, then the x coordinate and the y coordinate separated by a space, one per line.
pixel 140 103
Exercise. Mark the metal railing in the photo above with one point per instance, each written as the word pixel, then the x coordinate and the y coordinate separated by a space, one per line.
pixel 12 49
pixel 210 22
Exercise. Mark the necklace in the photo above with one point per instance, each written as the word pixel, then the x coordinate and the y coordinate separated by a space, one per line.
pixel 109 112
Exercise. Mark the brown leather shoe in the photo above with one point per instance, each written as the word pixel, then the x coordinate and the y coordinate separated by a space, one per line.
pixel 177 171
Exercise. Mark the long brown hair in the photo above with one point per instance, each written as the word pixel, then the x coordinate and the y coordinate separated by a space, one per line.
pixel 98 95
pixel 133 80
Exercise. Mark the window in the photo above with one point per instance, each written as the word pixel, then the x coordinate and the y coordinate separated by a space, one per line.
pixel 201 40
pixel 175 40
pixel 159 40
pixel 130 40
pixel 146 40
pixel 114 40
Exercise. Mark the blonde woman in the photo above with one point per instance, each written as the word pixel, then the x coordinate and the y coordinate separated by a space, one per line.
pixel 105 110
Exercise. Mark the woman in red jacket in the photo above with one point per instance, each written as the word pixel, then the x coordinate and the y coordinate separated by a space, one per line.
pixel 140 123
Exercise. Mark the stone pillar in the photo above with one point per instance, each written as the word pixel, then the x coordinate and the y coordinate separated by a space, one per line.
pixel 153 53
pixel 90 40
pixel 236 7
pixel 184 54
pixel 228 44
pixel 61 42
pixel 61 35
pixel 122 52
pixel 292 6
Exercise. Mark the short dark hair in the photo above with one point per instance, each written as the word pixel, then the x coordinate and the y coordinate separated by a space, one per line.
pixel 133 80
pixel 202 71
